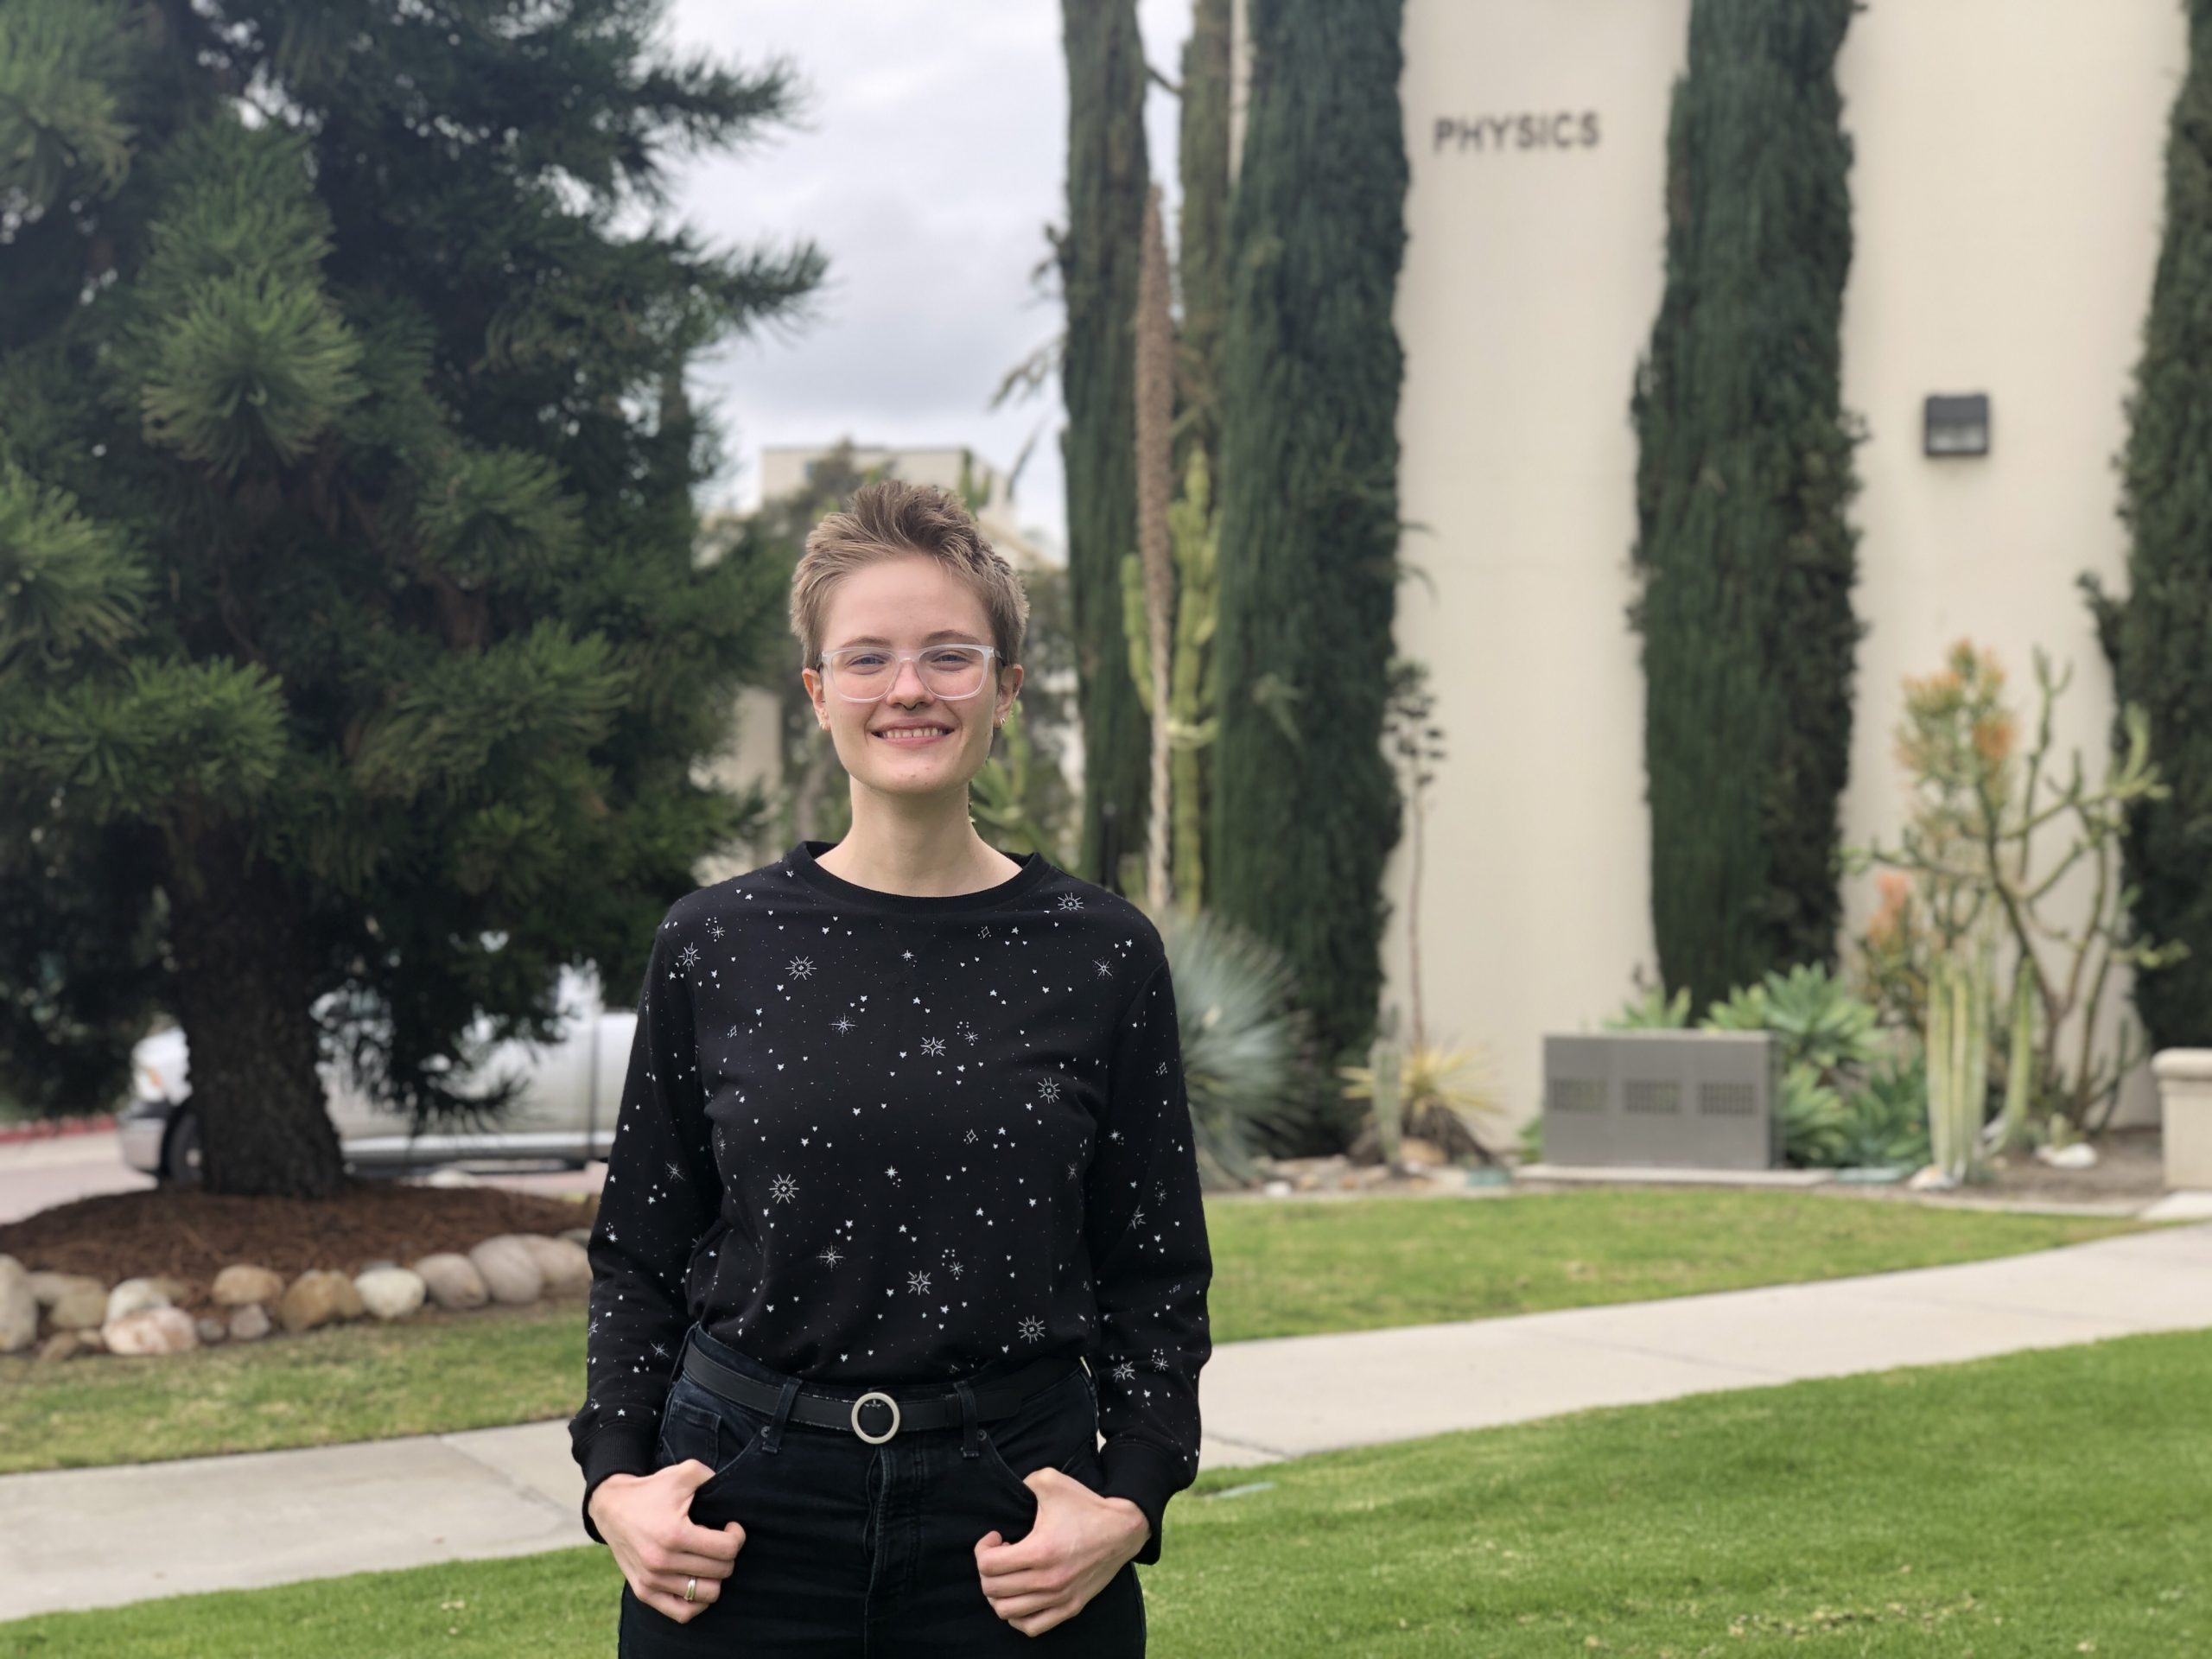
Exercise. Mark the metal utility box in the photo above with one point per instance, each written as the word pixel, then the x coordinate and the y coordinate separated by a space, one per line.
pixel 1699 1099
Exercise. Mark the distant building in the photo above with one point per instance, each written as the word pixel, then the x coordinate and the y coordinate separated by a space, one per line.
pixel 787 469
pixel 2007 203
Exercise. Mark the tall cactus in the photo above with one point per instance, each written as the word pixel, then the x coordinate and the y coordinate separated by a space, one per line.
pixel 2021 1061
pixel 1155 475
pixel 1193 530
pixel 1958 1054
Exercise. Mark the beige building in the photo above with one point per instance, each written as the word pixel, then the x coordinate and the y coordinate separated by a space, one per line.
pixel 2006 206
pixel 787 469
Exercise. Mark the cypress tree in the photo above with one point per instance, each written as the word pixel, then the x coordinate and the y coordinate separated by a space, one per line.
pixel 1202 159
pixel 1306 810
pixel 2159 638
pixel 352 649
pixel 1744 559
pixel 1098 258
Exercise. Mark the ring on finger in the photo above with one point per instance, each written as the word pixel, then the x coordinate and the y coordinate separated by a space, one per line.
pixel 692 1589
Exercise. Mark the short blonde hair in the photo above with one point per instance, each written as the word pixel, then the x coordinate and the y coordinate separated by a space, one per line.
pixel 885 520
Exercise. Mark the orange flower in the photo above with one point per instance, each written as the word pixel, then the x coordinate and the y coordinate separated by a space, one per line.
pixel 1896 889
pixel 1993 737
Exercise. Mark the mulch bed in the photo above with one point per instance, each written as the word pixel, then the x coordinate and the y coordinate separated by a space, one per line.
pixel 195 1236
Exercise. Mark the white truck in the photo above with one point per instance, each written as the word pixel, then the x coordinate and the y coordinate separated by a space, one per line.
pixel 565 1113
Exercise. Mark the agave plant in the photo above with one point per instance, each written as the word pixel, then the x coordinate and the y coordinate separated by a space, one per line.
pixel 1816 1124
pixel 1820 1020
pixel 1889 1116
pixel 1241 1041
pixel 1654 1011
pixel 1828 1035
pixel 1418 1090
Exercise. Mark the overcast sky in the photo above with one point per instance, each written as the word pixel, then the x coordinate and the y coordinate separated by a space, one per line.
pixel 931 155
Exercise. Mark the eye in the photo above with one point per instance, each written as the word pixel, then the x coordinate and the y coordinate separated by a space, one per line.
pixel 864 659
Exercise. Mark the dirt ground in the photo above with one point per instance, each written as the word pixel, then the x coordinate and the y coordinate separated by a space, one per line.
pixel 195 1236
pixel 2130 1168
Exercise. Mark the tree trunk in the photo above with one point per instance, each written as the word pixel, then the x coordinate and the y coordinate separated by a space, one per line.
pixel 243 971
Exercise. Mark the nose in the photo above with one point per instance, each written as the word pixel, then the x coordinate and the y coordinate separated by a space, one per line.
pixel 908 672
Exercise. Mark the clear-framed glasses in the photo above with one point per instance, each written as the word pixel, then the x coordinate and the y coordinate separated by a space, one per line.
pixel 863 673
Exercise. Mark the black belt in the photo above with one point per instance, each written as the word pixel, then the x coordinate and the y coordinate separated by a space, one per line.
pixel 890 1410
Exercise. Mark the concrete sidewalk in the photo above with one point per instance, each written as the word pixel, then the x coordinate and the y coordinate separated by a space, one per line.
pixel 97 1537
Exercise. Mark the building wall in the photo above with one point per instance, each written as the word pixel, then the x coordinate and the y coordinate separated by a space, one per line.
pixel 2006 195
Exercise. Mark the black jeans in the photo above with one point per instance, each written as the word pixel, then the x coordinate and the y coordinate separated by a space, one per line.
pixel 855 1551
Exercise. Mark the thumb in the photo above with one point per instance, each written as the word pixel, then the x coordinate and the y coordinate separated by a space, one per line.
pixel 693 1473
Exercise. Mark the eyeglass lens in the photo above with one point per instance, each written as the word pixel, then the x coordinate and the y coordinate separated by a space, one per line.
pixel 947 671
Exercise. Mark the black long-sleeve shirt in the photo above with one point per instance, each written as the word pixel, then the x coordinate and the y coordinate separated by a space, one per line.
pixel 872 1139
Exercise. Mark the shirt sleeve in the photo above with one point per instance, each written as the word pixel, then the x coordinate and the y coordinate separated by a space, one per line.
pixel 1146 1226
pixel 662 1194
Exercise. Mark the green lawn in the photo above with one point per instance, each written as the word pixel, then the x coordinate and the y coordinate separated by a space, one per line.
pixel 1280 1269
pixel 2039 1503
pixel 1288 1269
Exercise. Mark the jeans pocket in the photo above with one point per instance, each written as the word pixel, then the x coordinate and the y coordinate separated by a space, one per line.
pixel 1058 1427
pixel 698 1425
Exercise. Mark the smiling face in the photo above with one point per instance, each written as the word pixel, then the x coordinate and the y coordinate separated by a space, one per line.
pixel 911 740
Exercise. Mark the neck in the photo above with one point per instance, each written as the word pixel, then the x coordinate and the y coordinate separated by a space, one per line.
pixel 936 856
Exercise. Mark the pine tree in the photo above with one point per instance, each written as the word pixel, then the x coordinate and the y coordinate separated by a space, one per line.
pixel 353 655
pixel 1098 256
pixel 2158 639
pixel 1745 560
pixel 1306 809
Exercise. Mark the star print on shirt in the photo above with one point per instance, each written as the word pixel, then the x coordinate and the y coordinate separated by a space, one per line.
pixel 1055 1158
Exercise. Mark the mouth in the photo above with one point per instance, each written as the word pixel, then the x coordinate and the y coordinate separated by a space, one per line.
pixel 919 735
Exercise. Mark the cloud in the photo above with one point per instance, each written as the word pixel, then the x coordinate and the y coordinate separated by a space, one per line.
pixel 929 157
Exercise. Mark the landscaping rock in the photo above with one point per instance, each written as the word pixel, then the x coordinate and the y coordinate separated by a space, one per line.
pixel 83 1307
pixel 210 1330
pixel 390 1293
pixel 562 1262
pixel 18 1307
pixel 1277 1188
pixel 67 1344
pixel 576 1235
pixel 1413 1150
pixel 162 1330
pixel 2079 1155
pixel 133 1296
pixel 51 1288
pixel 250 1323
pixel 448 1176
pixel 319 1297
pixel 511 1273
pixel 452 1280
pixel 242 1282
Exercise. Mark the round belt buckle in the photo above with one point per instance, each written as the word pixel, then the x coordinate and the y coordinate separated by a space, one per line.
pixel 875 1439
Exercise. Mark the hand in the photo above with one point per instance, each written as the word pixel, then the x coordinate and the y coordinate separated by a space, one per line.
pixel 646 1521
pixel 1073 1552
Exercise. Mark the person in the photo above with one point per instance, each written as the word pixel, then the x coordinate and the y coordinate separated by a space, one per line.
pixel 902 1208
